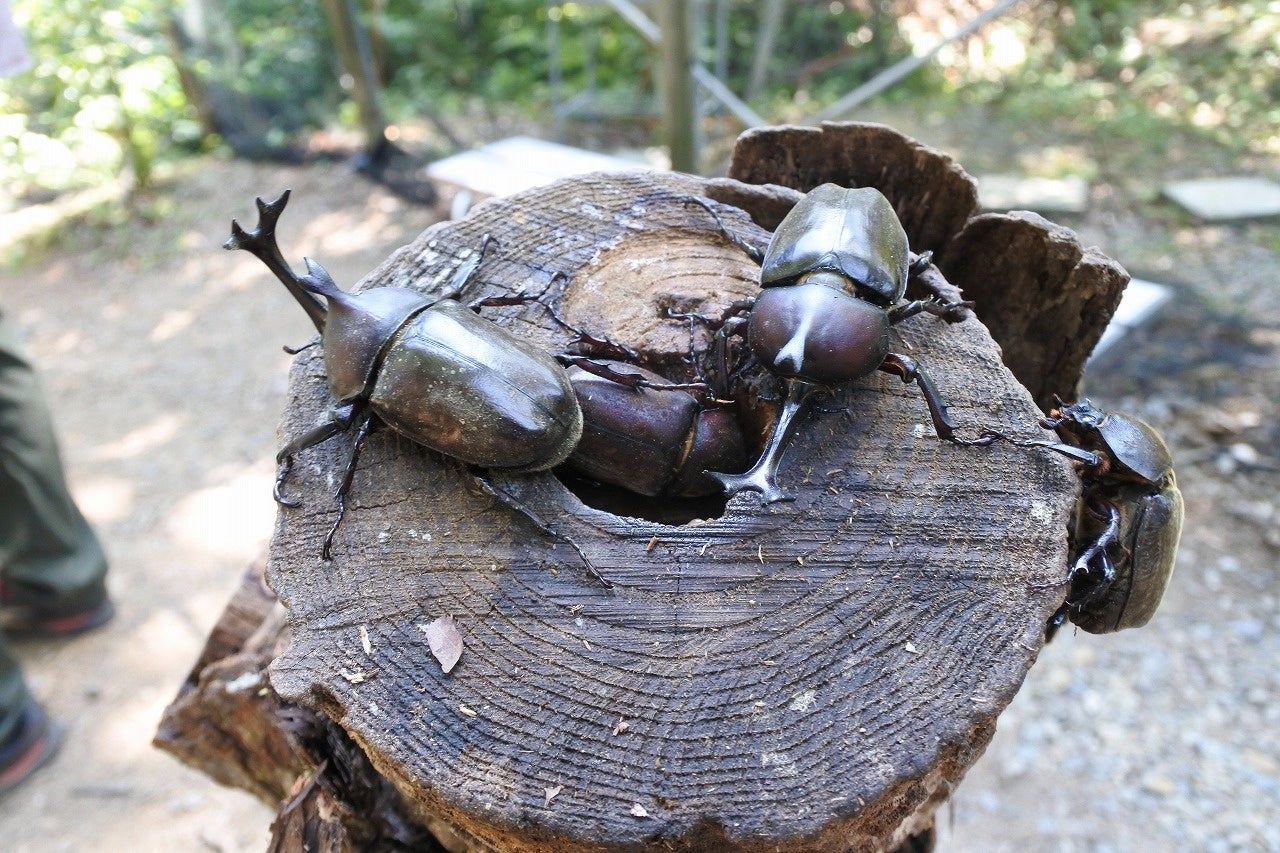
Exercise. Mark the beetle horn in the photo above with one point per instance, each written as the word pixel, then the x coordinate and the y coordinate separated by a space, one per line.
pixel 318 280
pixel 261 243
pixel 763 475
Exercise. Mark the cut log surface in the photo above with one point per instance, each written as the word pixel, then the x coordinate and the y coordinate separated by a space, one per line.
pixel 812 675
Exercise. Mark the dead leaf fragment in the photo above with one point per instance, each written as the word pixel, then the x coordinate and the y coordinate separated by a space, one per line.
pixel 355 677
pixel 638 810
pixel 444 640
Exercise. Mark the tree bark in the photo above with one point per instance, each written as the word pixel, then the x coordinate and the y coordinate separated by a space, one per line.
pixel 1047 318
pixel 814 675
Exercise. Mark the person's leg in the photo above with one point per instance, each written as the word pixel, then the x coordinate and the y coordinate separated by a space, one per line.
pixel 52 567
pixel 28 738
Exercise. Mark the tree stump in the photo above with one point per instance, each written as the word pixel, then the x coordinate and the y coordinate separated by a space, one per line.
pixel 814 675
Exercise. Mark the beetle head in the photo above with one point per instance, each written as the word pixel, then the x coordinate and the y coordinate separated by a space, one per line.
pixel 1136 449
pixel 358 328
pixel 1083 413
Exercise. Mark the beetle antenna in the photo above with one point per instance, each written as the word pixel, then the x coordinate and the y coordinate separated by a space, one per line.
pixel 261 243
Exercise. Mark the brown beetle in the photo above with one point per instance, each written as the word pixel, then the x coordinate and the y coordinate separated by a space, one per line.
pixel 1129 521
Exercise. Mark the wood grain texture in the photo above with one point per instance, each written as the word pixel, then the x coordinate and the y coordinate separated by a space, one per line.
pixel 227 722
pixel 815 674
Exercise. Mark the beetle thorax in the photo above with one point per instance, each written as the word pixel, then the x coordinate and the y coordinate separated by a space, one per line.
pixel 357 331
pixel 817 333
pixel 831 278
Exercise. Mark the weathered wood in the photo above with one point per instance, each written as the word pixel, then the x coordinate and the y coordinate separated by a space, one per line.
pixel 228 722
pixel 1048 315
pixel 816 674
pixel 932 195
pixel 222 722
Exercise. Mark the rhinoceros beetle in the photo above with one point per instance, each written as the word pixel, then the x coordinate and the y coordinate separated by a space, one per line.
pixel 1128 522
pixel 833 280
pixel 655 438
pixel 431 369
pixel 438 373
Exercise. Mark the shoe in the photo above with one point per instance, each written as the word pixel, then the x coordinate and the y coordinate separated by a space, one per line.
pixel 29 748
pixel 24 619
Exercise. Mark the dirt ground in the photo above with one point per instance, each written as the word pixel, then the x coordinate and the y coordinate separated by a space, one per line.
pixel 161 357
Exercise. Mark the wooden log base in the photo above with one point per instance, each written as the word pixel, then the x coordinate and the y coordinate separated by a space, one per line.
pixel 808 676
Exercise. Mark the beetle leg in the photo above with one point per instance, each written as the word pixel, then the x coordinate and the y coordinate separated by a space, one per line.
pixel 340 422
pixel 629 380
pixel 1055 621
pixel 511 501
pixel 362 432
pixel 927 277
pixel 600 347
pixel 295 350
pixel 1078 454
pixel 733 312
pixel 919 264
pixel 1098 550
pixel 261 243
pixel 521 298
pixel 763 475
pixel 756 253
pixel 1082 568
pixel 909 371
pixel 952 312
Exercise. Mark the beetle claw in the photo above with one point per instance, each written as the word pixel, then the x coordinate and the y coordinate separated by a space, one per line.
pixel 276 492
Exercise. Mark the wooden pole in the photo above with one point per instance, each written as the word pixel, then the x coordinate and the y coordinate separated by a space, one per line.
pixel 679 111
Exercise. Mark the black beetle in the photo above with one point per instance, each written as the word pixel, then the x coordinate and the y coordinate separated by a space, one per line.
pixel 431 369
pixel 833 278
pixel 652 438
pixel 1129 521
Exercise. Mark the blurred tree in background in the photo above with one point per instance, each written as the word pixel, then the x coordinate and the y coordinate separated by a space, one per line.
pixel 119 85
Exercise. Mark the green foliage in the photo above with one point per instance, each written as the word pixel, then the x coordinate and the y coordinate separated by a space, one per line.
pixel 102 96
pixel 107 95
pixel 1144 73
pixel 266 65
pixel 497 52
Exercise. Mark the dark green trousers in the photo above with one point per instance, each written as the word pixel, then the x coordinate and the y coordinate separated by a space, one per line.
pixel 49 557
